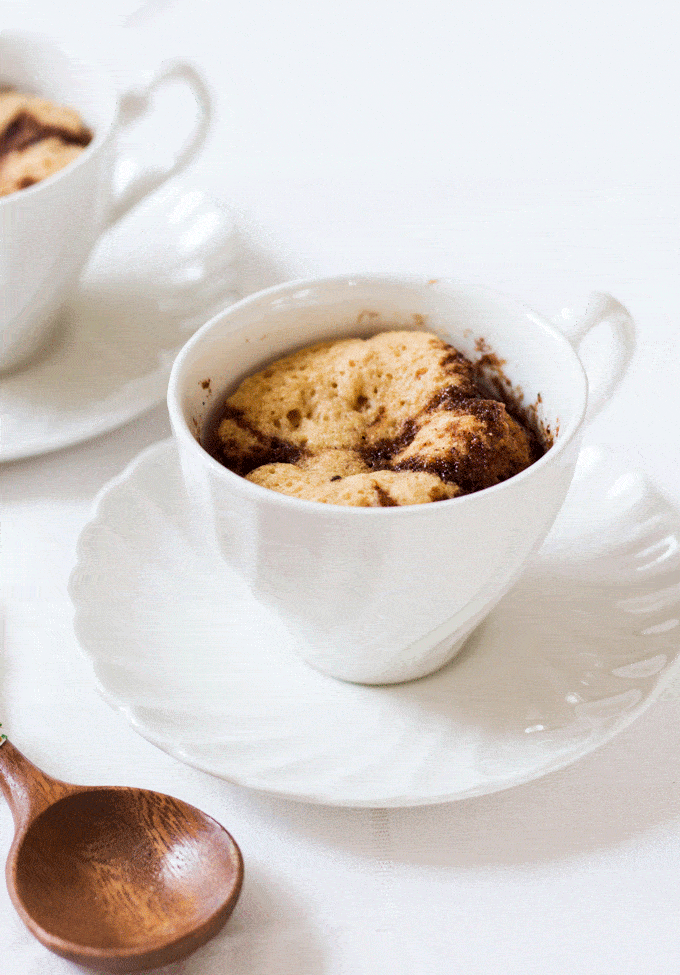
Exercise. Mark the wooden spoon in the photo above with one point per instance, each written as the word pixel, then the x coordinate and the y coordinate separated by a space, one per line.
pixel 114 878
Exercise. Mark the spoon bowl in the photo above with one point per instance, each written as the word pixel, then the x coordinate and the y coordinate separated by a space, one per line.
pixel 115 878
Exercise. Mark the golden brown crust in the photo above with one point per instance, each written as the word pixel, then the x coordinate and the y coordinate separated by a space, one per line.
pixel 395 419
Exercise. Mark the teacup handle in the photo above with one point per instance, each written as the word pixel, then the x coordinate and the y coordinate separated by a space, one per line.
pixel 133 105
pixel 602 309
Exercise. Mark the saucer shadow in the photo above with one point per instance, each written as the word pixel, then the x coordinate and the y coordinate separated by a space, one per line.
pixel 578 810
pixel 85 467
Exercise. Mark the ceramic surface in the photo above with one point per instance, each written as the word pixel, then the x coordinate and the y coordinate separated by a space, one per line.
pixel 383 595
pixel 581 646
pixel 152 281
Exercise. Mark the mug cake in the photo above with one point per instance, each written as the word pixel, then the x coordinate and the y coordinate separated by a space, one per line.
pixel 399 418
pixel 37 139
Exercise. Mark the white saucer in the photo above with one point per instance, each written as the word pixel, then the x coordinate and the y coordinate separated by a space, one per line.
pixel 574 654
pixel 153 279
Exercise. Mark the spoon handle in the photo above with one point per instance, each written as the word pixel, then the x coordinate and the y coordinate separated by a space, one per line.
pixel 26 788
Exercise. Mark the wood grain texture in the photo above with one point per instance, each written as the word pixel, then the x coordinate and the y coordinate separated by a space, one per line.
pixel 116 878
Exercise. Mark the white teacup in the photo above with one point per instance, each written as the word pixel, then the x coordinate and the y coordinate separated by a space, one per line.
pixel 48 230
pixel 381 595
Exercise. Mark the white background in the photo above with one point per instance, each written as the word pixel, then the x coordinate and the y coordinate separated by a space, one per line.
pixel 532 147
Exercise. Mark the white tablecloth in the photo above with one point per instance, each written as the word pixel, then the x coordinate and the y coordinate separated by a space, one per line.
pixel 529 147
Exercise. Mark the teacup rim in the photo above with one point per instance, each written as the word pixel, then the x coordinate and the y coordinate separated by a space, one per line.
pixel 106 87
pixel 183 433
